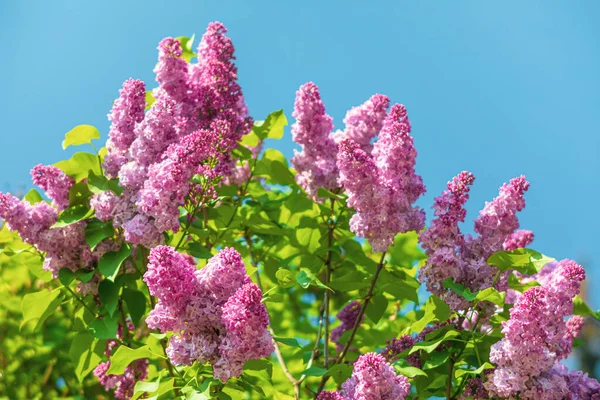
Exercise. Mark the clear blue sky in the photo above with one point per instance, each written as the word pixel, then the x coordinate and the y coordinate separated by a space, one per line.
pixel 497 88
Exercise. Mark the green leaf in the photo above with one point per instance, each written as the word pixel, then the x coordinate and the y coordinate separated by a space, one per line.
pixel 99 183
pixel 79 165
pixel 84 275
pixel 85 353
pixel 72 215
pixel 580 307
pixel 287 341
pixel 79 194
pixel 104 328
pixel 259 365
pixel 435 310
pixel 124 356
pixel 97 231
pixel 327 194
pixel 274 167
pixel 187 47
pixel 340 372
pixel 33 196
pixel 136 304
pixel 65 276
pixel 40 305
pixel 376 307
pixel 109 296
pixel 81 134
pixel 111 262
pixel 492 295
pixel 526 261
pixel 199 251
pixel 460 372
pixel 431 345
pixel 305 278
pixel 271 127
pixel 149 99
pixel 314 371
pixel 459 289
pixel 409 371
pixel 285 278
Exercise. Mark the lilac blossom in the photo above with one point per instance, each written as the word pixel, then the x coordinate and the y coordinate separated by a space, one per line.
pixel 55 183
pixel 316 162
pixel 215 313
pixel 518 240
pixel 347 317
pixel 374 379
pixel 364 122
pixel 536 338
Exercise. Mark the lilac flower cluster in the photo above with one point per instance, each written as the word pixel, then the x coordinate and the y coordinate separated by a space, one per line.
pixel 452 255
pixel 65 247
pixel 536 338
pixel 372 379
pixel 347 317
pixel 397 346
pixel 383 187
pixel 216 313
pixel 518 240
pixel 197 119
pixel 123 384
pixel 380 179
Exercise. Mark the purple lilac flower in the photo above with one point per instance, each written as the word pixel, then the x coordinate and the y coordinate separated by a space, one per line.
pixel 327 395
pixel 364 122
pixel 536 338
pixel 347 317
pixel 215 313
pixel 518 240
pixel 127 111
pixel 55 183
pixel 374 379
pixel 474 390
pixel 464 259
pixel 398 345
pixel 315 163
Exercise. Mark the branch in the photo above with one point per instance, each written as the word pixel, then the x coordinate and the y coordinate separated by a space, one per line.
pixel 357 322
pixel 280 358
pixel 327 280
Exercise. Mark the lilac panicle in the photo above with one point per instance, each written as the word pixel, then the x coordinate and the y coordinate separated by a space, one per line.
pixel 127 111
pixel 246 319
pixel 216 314
pixel 374 379
pixel 518 240
pixel 315 163
pixel 55 183
pixel 364 122
pixel 442 237
pixel 536 338
pixel 172 70
pixel 347 317
pixel 395 156
pixel 327 395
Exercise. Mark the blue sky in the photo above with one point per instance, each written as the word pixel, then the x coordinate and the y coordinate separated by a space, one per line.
pixel 497 88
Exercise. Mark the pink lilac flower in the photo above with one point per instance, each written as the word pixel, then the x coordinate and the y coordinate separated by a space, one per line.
pixel 104 205
pixel 396 346
pixel 246 320
pixel 195 105
pixel 123 384
pixel 536 338
pixel 383 188
pixel 518 240
pixel 364 122
pixel 474 390
pixel 316 162
pixel 166 187
pixel 327 395
pixel 347 317
pixel 127 111
pixel 374 379
pixel 55 183
pixel 464 259
pixel 215 313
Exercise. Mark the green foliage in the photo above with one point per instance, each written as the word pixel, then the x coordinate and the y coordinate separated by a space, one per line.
pixel 299 250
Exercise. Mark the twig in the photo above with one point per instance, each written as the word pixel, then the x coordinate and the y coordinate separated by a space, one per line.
pixel 356 323
pixel 327 280
pixel 295 382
